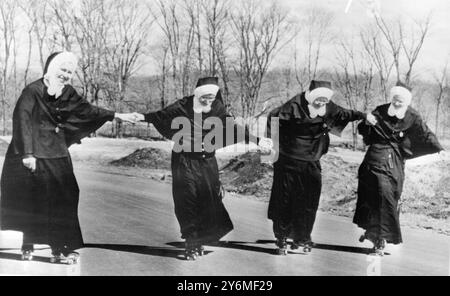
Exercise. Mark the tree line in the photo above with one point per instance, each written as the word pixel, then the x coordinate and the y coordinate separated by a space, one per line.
pixel 262 52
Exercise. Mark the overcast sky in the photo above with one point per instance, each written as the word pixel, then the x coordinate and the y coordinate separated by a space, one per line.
pixel 436 49
pixel 434 54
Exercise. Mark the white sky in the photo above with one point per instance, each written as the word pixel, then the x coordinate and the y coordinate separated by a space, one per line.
pixel 436 50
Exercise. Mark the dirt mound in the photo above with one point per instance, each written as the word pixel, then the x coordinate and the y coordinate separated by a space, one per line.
pixel 150 158
pixel 427 190
pixel 245 174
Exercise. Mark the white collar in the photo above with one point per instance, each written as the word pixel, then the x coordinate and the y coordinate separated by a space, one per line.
pixel 314 112
pixel 199 108
pixel 397 112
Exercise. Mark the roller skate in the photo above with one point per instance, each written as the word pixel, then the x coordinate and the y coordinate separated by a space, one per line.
pixel 306 247
pixel 379 246
pixel 70 258
pixel 200 250
pixel 191 252
pixel 27 255
pixel 281 244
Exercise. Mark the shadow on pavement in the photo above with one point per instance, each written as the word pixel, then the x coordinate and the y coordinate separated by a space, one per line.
pixel 246 246
pixel 18 257
pixel 144 250
pixel 339 248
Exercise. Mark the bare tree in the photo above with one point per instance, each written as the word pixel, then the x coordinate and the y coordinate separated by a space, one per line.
pixel 442 83
pixel 377 54
pixel 219 40
pixel 309 44
pixel 168 20
pixel 160 55
pixel 90 28
pixel 8 11
pixel 412 43
pixel 63 13
pixel 404 44
pixel 260 34
pixel 354 78
pixel 40 17
pixel 129 25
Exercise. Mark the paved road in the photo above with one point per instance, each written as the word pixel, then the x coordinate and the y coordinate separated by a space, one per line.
pixel 130 229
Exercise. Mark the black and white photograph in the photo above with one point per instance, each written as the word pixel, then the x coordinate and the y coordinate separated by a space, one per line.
pixel 205 139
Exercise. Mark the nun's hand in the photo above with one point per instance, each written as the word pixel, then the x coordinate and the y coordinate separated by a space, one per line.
pixel 138 117
pixel 30 163
pixel 129 117
pixel 265 144
pixel 371 119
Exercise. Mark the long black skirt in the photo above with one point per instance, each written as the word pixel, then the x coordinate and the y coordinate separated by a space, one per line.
pixel 295 198
pixel 381 177
pixel 199 209
pixel 44 204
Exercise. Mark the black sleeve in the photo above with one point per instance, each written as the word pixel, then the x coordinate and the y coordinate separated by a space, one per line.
pixel 365 131
pixel 339 117
pixel 162 119
pixel 423 140
pixel 83 118
pixel 84 111
pixel 22 123
pixel 272 115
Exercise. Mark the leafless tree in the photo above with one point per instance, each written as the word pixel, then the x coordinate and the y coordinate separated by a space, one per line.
pixel 130 25
pixel 354 77
pixel 412 42
pixel 41 17
pixel 377 54
pixel 168 20
pixel 8 13
pixel 315 33
pixel 219 40
pixel 161 54
pixel 442 83
pixel 260 33
pixel 403 43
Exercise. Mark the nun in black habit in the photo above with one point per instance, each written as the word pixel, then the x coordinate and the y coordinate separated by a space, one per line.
pixel 305 122
pixel 39 192
pixel 196 187
pixel 399 135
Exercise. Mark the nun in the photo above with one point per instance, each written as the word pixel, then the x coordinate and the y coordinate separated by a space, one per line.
pixel 399 135
pixel 39 192
pixel 196 187
pixel 305 122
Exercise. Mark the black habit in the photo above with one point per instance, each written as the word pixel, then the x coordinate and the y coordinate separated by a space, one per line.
pixel 381 175
pixel 297 180
pixel 44 204
pixel 196 187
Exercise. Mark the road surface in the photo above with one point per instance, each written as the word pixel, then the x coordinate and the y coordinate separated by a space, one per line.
pixel 129 227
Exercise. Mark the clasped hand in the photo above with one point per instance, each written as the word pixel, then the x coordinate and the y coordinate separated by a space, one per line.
pixel 130 117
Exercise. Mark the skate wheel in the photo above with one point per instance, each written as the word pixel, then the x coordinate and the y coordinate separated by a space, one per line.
pixel 282 252
pixel 27 258
pixel 191 258
pixel 307 250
